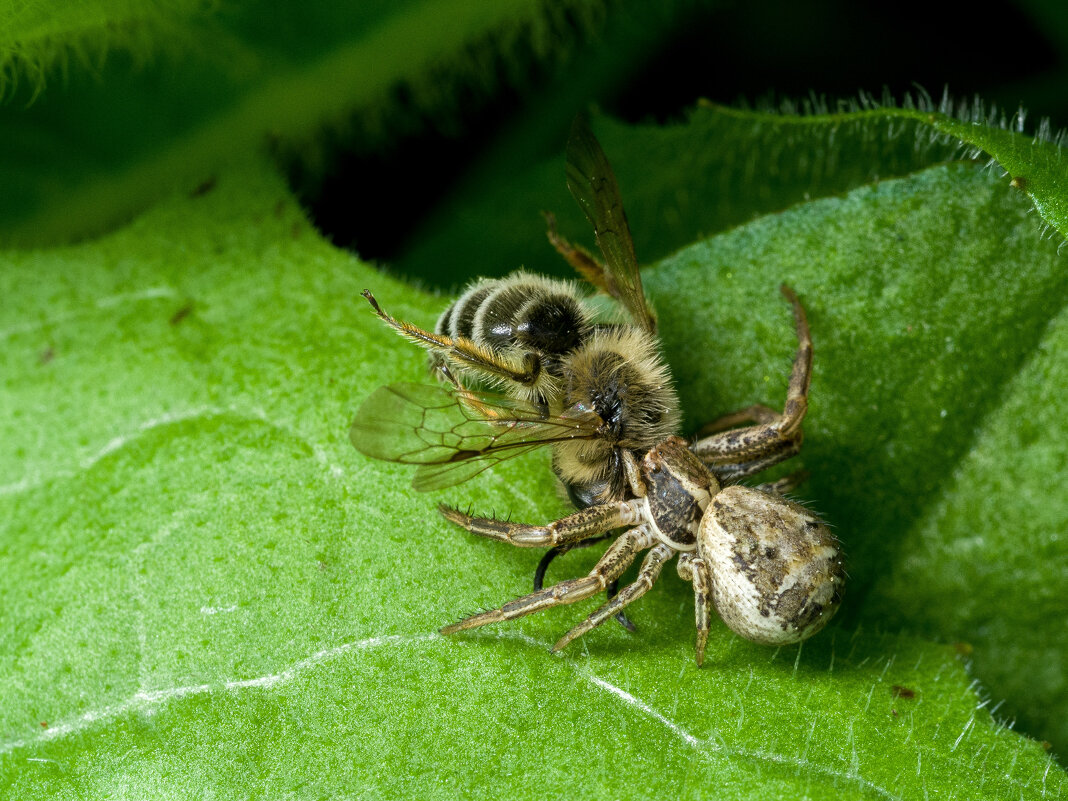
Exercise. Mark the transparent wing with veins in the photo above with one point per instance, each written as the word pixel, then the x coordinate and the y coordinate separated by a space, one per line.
pixel 454 434
pixel 594 187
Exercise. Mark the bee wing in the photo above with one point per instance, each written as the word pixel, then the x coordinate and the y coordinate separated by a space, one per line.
pixel 455 434
pixel 594 187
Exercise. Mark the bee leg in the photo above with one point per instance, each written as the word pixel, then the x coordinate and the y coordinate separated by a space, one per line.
pixel 441 369
pixel 612 589
pixel 462 352
pixel 581 525
pixel 694 569
pixel 587 265
pixel 582 260
pixel 743 451
pixel 633 473
pixel 610 566
pixel 647 576
pixel 546 560
pixel 438 366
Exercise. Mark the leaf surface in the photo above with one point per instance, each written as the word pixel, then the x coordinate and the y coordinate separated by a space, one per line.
pixel 209 589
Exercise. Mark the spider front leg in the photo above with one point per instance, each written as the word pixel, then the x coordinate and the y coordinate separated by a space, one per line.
pixel 757 413
pixel 581 525
pixel 741 452
pixel 610 566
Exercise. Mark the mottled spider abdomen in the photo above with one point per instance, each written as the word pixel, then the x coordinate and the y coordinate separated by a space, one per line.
pixel 776 568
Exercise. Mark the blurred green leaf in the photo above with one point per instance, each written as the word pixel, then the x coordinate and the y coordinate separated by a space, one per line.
pixel 187 87
pixel 213 592
pixel 40 40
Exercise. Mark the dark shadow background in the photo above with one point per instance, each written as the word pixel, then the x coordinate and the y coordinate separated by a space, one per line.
pixel 650 66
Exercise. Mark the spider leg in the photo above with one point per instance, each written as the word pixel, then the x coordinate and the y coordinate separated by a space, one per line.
pixel 785 484
pixel 610 566
pixel 581 525
pixel 774 453
pixel 695 569
pixel 744 451
pixel 758 413
pixel 621 616
pixel 559 550
pixel 650 570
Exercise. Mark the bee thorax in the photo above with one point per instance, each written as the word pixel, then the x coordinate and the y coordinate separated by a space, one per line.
pixel 619 374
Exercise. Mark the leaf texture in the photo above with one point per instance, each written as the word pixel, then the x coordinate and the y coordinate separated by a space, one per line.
pixel 207 589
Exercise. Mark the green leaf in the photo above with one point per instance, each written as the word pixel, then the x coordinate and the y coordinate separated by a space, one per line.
pixel 38 39
pixel 208 590
pixel 996 533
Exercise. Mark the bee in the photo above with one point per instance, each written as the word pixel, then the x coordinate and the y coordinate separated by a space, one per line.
pixel 526 364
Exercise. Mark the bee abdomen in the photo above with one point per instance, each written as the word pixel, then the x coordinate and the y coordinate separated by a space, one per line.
pixel 456 321
pixel 520 311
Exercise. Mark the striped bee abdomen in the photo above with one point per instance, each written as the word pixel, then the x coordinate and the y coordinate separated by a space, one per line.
pixel 520 312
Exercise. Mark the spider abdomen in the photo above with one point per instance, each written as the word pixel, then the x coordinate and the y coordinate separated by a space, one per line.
pixel 776 568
